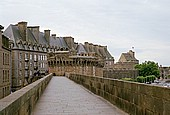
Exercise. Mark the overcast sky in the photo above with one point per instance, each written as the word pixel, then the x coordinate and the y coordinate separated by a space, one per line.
pixel 119 24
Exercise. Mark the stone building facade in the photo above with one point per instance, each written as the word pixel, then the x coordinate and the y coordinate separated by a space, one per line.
pixel 126 61
pixel 29 54
pixel 5 65
pixel 36 53
pixel 164 72
pixel 124 68
pixel 86 59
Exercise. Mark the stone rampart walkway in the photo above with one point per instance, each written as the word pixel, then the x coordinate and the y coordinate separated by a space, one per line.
pixel 64 97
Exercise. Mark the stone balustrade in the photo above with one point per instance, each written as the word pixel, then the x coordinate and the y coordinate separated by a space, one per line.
pixel 23 101
pixel 134 98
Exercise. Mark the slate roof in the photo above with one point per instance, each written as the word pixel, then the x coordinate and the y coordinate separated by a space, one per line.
pixel 58 41
pixel 42 39
pixel 129 57
pixel 81 49
pixel 13 33
pixel 108 55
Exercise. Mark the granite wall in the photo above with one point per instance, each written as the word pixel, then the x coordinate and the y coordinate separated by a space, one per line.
pixel 134 98
pixel 120 73
pixel 22 102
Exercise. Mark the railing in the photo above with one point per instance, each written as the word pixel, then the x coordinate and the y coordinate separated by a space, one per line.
pixel 22 101
pixel 134 98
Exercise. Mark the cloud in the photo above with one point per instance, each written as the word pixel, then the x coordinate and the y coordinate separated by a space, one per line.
pixel 119 24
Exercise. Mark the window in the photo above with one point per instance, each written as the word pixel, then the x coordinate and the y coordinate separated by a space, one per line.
pixel 7 59
pixel 42 65
pixel 35 63
pixel 35 57
pixel 20 64
pixel 20 73
pixel 20 56
pixel 3 58
pixel 3 76
pixel 8 76
pixel 20 82
pixel 39 57
pixel 26 73
pixel 3 92
pixel 31 73
pixel 45 57
pixel 31 64
pixel 26 63
pixel 26 55
pixel 31 56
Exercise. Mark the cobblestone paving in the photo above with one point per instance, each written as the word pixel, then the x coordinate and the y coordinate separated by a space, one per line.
pixel 64 97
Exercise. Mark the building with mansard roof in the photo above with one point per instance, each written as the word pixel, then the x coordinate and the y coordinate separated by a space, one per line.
pixel 81 58
pixel 31 49
pixel 29 54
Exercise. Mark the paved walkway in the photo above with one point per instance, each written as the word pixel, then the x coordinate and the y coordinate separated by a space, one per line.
pixel 64 97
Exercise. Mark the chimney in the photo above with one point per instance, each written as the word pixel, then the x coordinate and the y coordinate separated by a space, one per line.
pixel 75 44
pixel 90 47
pixel 102 50
pixel 97 49
pixel 86 44
pixel 1 27
pixel 47 36
pixel 132 53
pixel 70 41
pixel 22 26
pixel 35 30
pixel 54 35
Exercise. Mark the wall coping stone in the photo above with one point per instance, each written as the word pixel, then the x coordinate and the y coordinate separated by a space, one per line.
pixel 7 102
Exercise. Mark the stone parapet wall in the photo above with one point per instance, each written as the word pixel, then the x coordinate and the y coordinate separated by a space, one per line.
pixel 120 73
pixel 133 98
pixel 23 101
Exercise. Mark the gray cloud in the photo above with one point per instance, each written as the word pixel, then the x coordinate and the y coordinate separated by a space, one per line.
pixel 119 24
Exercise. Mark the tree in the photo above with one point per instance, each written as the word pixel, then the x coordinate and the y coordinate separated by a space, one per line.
pixel 148 68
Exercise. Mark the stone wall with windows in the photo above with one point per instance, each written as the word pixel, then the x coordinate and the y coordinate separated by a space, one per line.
pixel 27 66
pixel 5 66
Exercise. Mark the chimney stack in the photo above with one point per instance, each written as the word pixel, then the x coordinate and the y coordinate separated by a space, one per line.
pixel 35 30
pixel 70 42
pixel 86 44
pixel 54 35
pixel 1 27
pixel 132 53
pixel 22 26
pixel 47 36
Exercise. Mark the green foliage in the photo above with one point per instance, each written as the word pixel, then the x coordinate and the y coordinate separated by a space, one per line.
pixel 168 76
pixel 142 79
pixel 148 68
pixel 128 79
